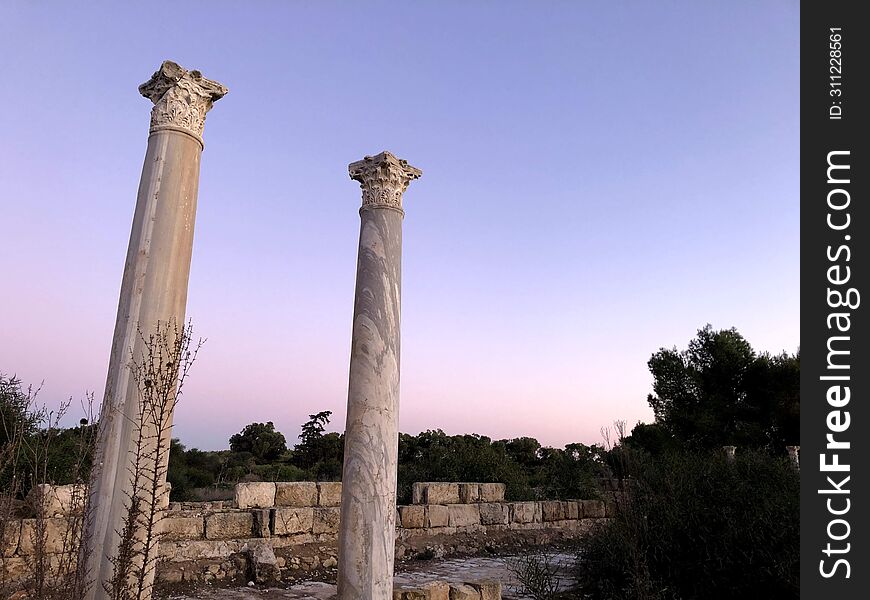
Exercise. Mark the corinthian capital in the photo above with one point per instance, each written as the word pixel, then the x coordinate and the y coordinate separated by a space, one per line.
pixel 383 179
pixel 181 98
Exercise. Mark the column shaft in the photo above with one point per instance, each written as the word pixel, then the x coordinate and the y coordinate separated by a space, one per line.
pixel 153 290
pixel 368 500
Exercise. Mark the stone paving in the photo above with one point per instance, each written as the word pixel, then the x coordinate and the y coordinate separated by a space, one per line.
pixel 454 570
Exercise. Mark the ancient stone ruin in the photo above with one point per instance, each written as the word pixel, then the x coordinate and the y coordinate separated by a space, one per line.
pixel 355 528
pixel 273 531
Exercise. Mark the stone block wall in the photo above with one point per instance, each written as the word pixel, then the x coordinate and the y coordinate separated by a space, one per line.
pixel 299 522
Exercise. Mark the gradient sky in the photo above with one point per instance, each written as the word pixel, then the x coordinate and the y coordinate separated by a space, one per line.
pixel 599 180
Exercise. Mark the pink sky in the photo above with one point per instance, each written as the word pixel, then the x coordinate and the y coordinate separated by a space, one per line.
pixel 589 194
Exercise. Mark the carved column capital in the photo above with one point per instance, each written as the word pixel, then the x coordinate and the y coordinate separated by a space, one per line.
pixel 181 98
pixel 383 179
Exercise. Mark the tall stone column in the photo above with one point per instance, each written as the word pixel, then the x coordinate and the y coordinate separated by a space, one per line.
pixel 153 290
pixel 367 531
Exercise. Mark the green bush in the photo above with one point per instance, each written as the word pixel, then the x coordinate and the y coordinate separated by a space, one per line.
pixel 694 526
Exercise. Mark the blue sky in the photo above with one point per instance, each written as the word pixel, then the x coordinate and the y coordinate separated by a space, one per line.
pixel 600 179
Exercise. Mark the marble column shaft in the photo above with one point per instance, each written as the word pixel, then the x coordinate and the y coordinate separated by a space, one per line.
pixel 153 290
pixel 366 541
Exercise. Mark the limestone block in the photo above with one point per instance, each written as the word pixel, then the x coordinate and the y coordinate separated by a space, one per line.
pixel 593 509
pixel 56 500
pixel 489 589
pixel 296 493
pixel 229 525
pixel 326 520
pixel 462 591
pixel 525 512
pixel 404 593
pixel 289 521
pixel 494 513
pixel 264 563
pixel 329 493
pixel 196 550
pixel 437 516
pixel 16 569
pixel 492 492
pixel 463 515
pixel 182 528
pixel 418 492
pixel 10 532
pixel 553 510
pixel 469 493
pixel 437 590
pixel 163 503
pixel 255 494
pixel 412 517
pixel 572 510
pixel 442 493
pixel 54 535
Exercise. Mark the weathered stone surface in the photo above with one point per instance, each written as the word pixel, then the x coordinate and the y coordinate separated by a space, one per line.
pixel 463 515
pixel 437 590
pixel 553 510
pixel 488 589
pixel 264 563
pixel 406 593
pixel 262 525
pixel 418 492
pixel 56 500
pixel 296 494
pixel 163 503
pixel 10 532
pixel 525 512
pixel 260 494
pixel 463 591
pixel 412 517
pixel 492 492
pixel 469 493
pixel 329 493
pixel 572 509
pixel 442 493
pixel 593 509
pixel 15 568
pixel 229 525
pixel 54 534
pixel 289 521
pixel 326 520
pixel 437 516
pixel 182 528
pixel 494 513
pixel 196 550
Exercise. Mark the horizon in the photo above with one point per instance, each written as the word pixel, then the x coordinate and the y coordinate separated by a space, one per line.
pixel 587 198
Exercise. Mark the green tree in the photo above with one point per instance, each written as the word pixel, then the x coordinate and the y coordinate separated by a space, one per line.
pixel 320 454
pixel 652 437
pixel 261 440
pixel 720 392
pixel 15 410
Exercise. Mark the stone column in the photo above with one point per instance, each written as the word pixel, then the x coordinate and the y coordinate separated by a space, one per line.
pixel 794 455
pixel 153 289
pixel 367 531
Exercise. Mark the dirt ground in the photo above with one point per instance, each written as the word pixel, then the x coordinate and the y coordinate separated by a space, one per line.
pixel 454 570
